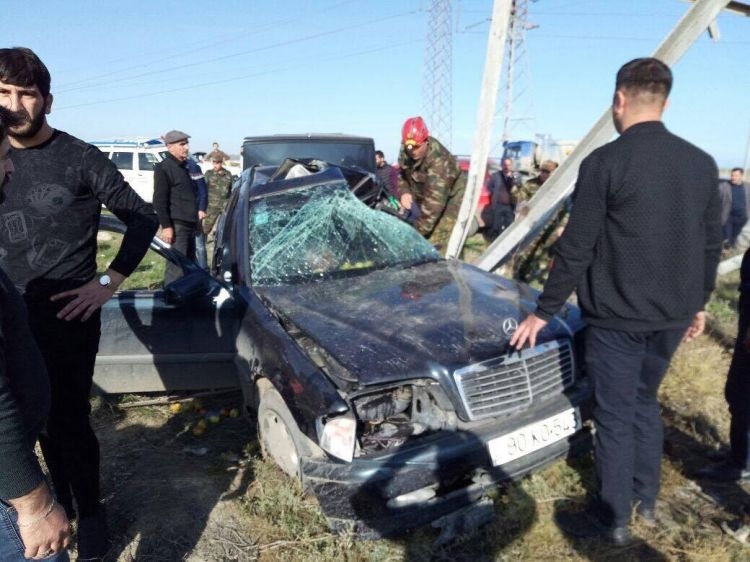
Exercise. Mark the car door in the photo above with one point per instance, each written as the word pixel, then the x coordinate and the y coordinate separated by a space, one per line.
pixel 156 338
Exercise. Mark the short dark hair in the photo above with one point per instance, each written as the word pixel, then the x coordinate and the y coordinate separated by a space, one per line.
pixel 21 67
pixel 645 74
pixel 738 169
pixel 379 153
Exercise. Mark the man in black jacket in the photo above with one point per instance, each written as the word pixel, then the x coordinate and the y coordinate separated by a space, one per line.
pixel 641 248
pixel 175 200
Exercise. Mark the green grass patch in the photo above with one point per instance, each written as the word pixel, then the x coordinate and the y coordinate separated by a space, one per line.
pixel 148 275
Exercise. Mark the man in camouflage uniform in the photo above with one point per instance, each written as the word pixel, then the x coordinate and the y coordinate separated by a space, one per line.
pixel 523 193
pixel 430 176
pixel 219 181
pixel 531 264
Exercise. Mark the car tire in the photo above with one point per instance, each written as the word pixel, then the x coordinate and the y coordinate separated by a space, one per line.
pixel 281 441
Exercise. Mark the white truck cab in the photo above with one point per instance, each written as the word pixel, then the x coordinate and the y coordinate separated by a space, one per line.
pixel 135 158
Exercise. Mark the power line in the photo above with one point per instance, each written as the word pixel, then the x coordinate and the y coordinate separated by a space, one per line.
pixel 180 54
pixel 243 77
pixel 268 47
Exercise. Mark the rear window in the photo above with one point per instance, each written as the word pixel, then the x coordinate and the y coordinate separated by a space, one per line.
pixel 344 153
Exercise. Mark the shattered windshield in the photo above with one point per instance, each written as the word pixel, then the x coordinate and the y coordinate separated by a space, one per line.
pixel 323 231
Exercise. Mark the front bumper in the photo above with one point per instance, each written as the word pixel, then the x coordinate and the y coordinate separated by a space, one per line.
pixel 361 495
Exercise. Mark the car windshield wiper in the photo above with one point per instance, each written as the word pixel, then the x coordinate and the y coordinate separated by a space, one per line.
pixel 406 264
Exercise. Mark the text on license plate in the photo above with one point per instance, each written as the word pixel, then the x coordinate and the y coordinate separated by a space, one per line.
pixel 533 437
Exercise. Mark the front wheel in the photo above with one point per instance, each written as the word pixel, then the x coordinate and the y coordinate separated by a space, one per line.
pixel 280 439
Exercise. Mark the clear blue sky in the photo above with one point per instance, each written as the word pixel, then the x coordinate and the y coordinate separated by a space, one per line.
pixel 230 68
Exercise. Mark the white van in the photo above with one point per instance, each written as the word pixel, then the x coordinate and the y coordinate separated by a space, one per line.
pixel 135 158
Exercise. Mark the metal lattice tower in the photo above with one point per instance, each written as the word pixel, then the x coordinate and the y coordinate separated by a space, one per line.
pixel 516 88
pixel 437 93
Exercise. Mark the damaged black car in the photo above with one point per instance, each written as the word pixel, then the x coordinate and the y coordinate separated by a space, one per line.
pixel 379 373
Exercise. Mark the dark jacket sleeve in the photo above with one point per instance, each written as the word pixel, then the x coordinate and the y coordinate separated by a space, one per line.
pixel 115 193
pixel 161 196
pixel 725 196
pixel 202 193
pixel 493 186
pixel 714 241
pixel 574 251
pixel 19 469
pixel 199 181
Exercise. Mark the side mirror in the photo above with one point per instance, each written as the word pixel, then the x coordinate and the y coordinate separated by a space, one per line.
pixel 187 288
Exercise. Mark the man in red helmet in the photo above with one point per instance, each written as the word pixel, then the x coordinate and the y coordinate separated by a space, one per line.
pixel 430 176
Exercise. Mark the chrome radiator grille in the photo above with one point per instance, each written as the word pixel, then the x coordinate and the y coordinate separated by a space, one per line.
pixel 512 382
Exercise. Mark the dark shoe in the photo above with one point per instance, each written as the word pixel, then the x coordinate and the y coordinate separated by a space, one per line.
pixel 92 537
pixel 726 471
pixel 587 525
pixel 720 455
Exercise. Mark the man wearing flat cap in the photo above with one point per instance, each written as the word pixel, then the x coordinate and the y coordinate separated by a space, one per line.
pixel 175 200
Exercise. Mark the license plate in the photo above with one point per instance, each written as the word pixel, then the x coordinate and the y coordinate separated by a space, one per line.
pixel 533 437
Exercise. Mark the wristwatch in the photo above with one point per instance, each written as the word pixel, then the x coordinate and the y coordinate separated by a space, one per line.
pixel 105 280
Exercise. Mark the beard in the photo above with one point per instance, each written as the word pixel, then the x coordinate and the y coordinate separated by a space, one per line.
pixel 3 180
pixel 26 126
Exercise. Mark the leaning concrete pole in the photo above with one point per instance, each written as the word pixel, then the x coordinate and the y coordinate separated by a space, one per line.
pixel 561 182
pixel 485 117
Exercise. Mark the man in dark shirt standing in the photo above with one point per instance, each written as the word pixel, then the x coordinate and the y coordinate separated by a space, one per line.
pixel 500 213
pixel 175 200
pixel 36 518
pixel 49 222
pixel 384 171
pixel 735 202
pixel 641 248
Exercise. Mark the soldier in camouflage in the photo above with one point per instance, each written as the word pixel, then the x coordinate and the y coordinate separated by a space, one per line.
pixel 219 181
pixel 532 263
pixel 430 176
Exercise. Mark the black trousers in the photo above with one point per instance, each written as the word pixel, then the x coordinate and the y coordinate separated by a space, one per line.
pixel 496 219
pixel 737 390
pixel 732 228
pixel 69 445
pixel 626 369
pixel 184 241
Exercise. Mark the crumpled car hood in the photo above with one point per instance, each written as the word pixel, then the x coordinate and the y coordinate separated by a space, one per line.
pixel 397 324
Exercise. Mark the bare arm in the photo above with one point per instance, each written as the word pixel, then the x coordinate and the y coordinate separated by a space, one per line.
pixel 42 523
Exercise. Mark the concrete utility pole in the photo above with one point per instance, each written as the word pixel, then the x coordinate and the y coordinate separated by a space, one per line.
pixel 485 118
pixel 438 72
pixel 560 184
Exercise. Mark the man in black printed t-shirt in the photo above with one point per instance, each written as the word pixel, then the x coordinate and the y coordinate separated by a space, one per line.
pixel 48 226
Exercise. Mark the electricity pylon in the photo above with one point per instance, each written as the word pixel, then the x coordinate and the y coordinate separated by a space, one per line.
pixel 437 91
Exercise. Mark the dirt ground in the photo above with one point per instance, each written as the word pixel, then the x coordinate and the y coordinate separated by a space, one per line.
pixel 168 493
